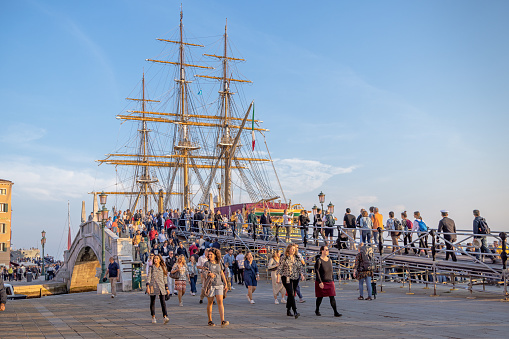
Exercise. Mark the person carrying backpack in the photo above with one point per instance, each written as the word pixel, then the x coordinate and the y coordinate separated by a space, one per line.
pixel 328 226
pixel 407 233
pixel 363 269
pixel 481 228
pixel 394 227
pixel 422 232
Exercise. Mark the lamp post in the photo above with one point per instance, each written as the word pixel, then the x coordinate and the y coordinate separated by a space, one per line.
pixel 102 216
pixel 43 242
pixel 321 198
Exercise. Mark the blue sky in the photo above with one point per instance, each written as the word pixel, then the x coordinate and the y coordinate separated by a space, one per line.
pixel 398 104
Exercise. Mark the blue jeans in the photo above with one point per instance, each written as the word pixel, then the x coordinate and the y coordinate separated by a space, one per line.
pixel 366 236
pixel 303 233
pixel 368 285
pixel 484 248
pixel 297 290
pixel 266 232
pixel 375 237
pixel 193 283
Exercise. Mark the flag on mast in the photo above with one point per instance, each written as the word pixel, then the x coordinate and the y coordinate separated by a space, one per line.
pixel 252 130
pixel 69 239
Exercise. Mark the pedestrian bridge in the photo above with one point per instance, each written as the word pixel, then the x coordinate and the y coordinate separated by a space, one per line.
pixel 82 262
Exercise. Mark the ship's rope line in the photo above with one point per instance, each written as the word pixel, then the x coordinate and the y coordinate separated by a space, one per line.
pixel 275 172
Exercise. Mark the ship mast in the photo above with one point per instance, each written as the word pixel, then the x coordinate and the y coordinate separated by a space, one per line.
pixel 226 141
pixel 191 152
pixel 144 180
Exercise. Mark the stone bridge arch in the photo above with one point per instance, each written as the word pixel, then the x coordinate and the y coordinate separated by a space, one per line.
pixel 84 274
pixel 82 262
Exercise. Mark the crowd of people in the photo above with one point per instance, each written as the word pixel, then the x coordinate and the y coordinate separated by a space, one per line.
pixel 172 264
pixel 21 271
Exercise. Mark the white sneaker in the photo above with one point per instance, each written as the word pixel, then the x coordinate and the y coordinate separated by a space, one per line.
pixel 181 304
pixel 251 301
pixel 233 288
pixel 283 301
pixel 302 301
pixel 248 299
pixel 166 320
pixel 276 302
pixel 154 320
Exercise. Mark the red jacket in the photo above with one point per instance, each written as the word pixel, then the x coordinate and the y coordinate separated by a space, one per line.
pixel 152 234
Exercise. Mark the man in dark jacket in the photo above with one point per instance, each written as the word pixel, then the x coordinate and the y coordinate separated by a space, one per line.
pixel 251 222
pixel 266 222
pixel 447 225
pixel 198 219
pixel 3 295
pixel 170 261
pixel 480 234
pixel 181 250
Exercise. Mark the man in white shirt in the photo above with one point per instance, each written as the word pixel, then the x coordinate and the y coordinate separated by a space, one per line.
pixel 287 222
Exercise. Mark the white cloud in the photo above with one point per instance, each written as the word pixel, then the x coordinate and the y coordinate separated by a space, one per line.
pixel 43 182
pixel 364 201
pixel 21 133
pixel 301 176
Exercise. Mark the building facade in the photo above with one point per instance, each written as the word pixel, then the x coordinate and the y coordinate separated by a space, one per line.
pixel 5 221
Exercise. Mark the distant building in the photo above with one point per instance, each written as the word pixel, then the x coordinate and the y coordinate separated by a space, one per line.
pixel 21 255
pixel 5 221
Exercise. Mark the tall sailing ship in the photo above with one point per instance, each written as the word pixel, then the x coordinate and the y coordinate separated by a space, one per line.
pixel 186 150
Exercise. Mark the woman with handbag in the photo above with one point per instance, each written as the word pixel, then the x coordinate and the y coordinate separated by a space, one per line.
pixel 290 270
pixel 324 281
pixel 215 285
pixel 193 274
pixel 180 273
pixel 156 286
pixel 277 288
pixel 251 276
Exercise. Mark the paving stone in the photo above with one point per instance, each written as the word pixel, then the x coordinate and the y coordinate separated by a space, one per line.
pixel 394 314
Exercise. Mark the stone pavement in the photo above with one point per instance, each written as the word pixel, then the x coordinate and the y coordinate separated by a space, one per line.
pixel 393 314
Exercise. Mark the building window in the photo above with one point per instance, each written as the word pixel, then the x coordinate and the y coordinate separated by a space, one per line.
pixel 4 207
pixel 3 191
pixel 3 248
pixel 3 228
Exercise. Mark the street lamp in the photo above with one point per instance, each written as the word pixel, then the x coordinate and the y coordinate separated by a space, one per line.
pixel 43 242
pixel 102 217
pixel 321 198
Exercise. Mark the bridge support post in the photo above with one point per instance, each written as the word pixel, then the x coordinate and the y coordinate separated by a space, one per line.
pixel 409 282
pixel 503 256
pixel 434 280
pixel 427 280
pixel 453 279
